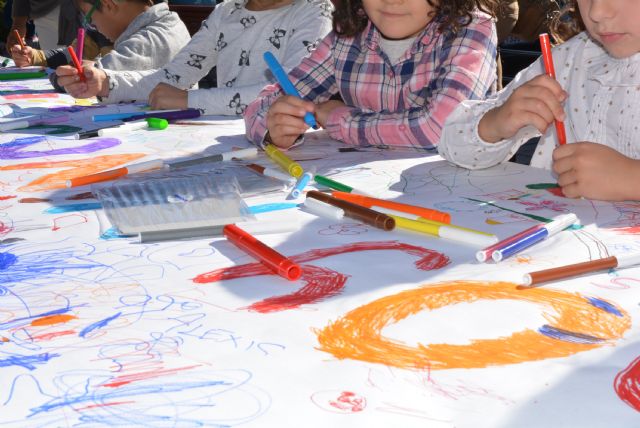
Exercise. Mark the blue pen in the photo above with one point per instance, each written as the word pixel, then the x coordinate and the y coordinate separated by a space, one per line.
pixel 286 84
pixel 557 225
pixel 301 184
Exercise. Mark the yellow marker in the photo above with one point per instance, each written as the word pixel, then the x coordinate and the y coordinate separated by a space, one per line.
pixel 289 165
pixel 446 231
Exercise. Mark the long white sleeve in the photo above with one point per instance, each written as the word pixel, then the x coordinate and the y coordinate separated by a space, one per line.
pixel 233 40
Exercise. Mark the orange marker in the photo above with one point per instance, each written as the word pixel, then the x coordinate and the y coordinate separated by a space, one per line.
pixel 76 63
pixel 369 202
pixel 17 34
pixel 3 339
pixel 547 58
pixel 115 173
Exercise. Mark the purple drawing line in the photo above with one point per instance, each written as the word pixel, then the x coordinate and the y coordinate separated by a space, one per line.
pixel 13 149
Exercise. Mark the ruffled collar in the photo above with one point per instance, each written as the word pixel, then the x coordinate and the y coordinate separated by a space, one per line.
pixel 611 71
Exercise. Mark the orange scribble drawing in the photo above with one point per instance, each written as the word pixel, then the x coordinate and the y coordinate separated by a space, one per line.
pixel 81 167
pixel 575 324
pixel 52 319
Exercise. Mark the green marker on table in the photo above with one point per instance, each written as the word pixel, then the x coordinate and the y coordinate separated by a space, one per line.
pixel 332 184
pixel 22 75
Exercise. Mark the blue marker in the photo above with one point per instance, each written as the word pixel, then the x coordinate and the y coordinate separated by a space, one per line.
pixel 557 225
pixel 301 184
pixel 286 84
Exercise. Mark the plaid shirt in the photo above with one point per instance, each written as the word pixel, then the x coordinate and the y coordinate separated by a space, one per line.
pixel 405 104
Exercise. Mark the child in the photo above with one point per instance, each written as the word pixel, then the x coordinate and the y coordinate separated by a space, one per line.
pixel 399 68
pixel 232 39
pixel 144 35
pixel 599 70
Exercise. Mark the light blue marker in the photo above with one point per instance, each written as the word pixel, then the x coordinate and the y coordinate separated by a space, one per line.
pixel 286 84
pixel 265 208
pixel 301 184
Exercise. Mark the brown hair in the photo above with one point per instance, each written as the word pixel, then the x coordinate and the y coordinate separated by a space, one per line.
pixel 349 17
pixel 567 22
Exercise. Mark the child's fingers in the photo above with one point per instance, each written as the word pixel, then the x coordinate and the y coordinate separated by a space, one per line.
pixel 77 90
pixel 563 166
pixel 567 178
pixel 551 85
pixel 65 71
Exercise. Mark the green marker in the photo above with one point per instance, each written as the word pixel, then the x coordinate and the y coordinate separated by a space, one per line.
pixel 157 123
pixel 23 75
pixel 5 62
pixel 332 184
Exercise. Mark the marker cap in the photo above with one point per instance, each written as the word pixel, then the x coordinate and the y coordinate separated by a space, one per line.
pixel 157 123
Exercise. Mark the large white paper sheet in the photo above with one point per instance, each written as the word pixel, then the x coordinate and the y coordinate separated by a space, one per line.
pixel 384 329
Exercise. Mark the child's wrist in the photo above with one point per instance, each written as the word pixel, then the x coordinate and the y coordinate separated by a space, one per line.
pixel 487 129
pixel 103 85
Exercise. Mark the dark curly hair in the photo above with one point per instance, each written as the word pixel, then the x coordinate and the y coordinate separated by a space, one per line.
pixel 567 22
pixel 349 17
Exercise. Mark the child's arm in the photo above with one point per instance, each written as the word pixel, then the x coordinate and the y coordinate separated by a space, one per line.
pixel 596 171
pixel 96 81
pixel 465 69
pixel 310 23
pixel 314 79
pixel 462 137
pixel 179 72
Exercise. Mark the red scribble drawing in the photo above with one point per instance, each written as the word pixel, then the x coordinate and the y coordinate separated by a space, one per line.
pixel 6 197
pixel 53 335
pixel 68 221
pixel 4 229
pixel 319 283
pixel 627 384
pixel 546 205
pixel 135 377
pixel 347 402
pixel 93 406
pixel 47 95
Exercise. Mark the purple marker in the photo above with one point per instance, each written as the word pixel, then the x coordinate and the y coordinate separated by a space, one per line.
pixel 170 116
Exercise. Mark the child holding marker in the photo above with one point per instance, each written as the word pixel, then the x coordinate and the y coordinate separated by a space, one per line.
pixel 597 80
pixel 400 68
pixel 96 47
pixel 232 39
pixel 144 36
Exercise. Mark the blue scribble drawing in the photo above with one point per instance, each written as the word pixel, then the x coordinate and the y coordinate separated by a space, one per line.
pixel 26 361
pixel 191 398
pixel 99 324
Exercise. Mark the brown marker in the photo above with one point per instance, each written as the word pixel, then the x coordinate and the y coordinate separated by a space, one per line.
pixel 357 212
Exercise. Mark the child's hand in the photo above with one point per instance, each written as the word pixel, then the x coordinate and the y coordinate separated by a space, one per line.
pixel 165 96
pixel 536 103
pixel 97 82
pixel 323 110
pixel 596 171
pixel 285 120
pixel 22 57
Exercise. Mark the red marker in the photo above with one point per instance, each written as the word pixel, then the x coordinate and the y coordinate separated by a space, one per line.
pixel 547 58
pixel 17 34
pixel 264 254
pixel 76 63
